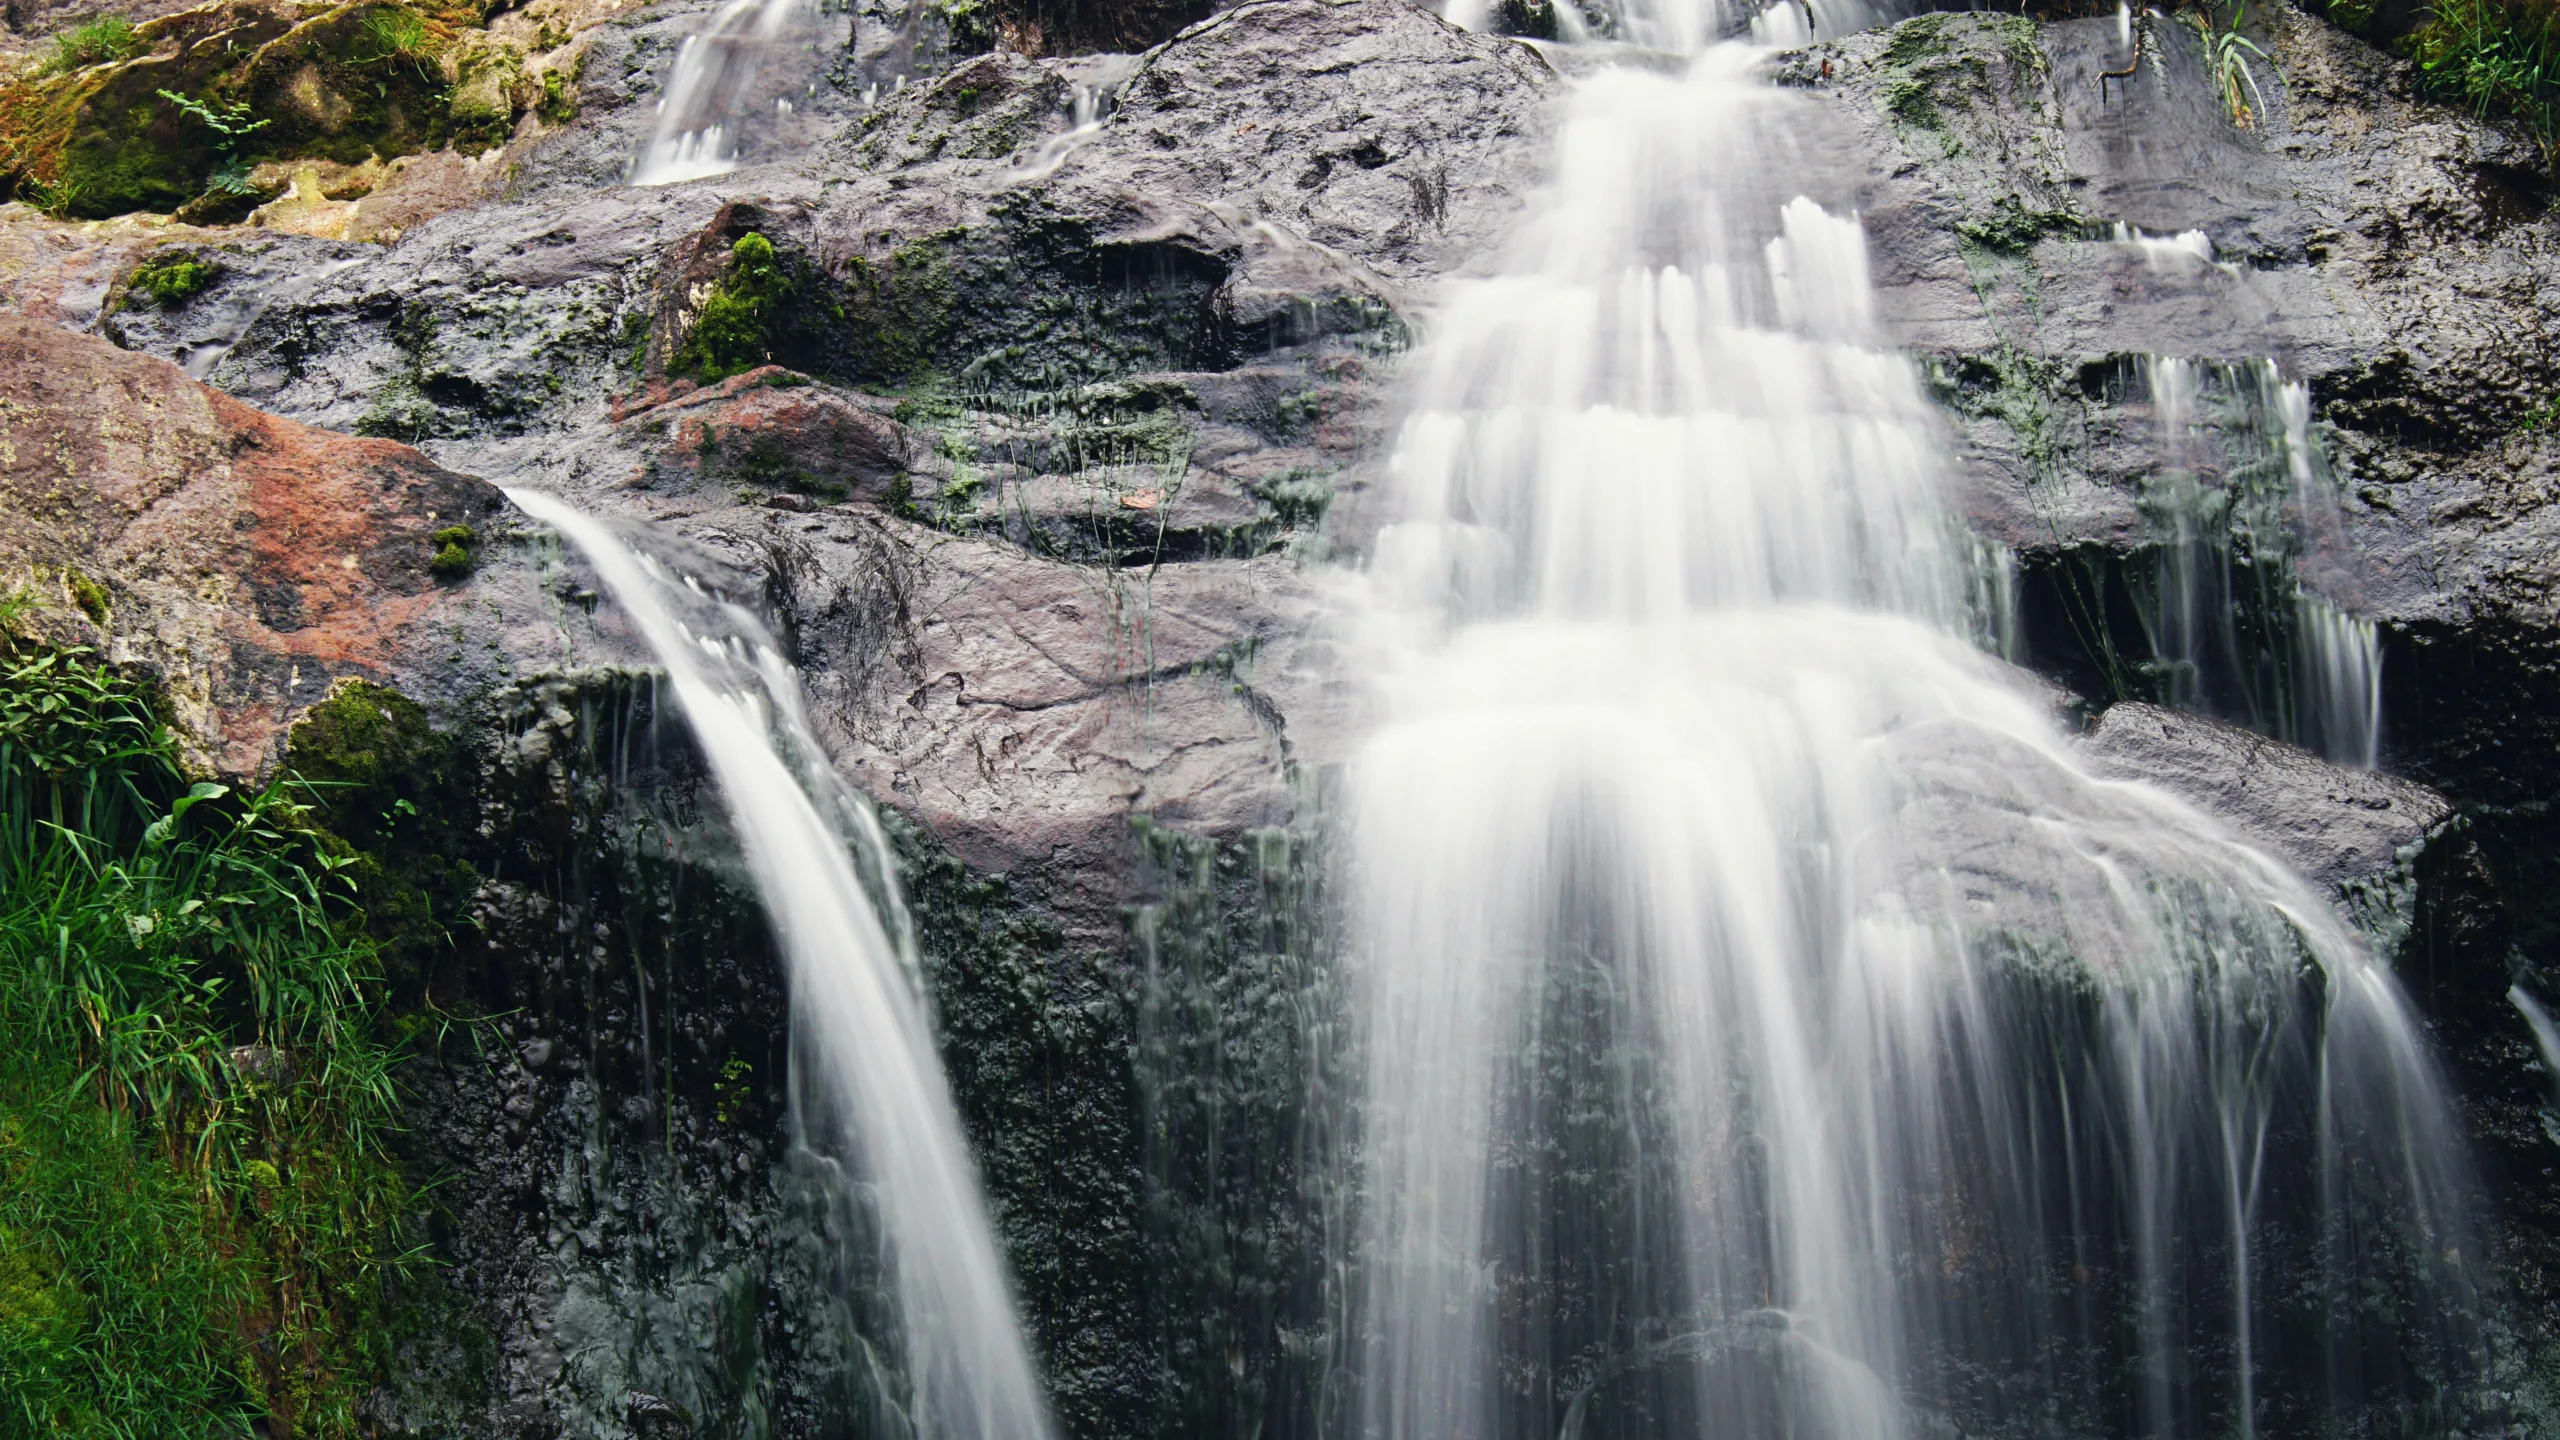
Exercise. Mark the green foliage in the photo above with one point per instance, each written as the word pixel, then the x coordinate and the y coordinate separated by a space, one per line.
pixel 389 32
pixel 230 123
pixel 52 197
pixel 2500 57
pixel 228 120
pixel 197 1214
pixel 733 332
pixel 2226 59
pixel 172 280
pixel 100 42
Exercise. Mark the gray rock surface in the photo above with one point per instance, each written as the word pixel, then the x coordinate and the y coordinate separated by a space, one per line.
pixel 2333 825
pixel 2396 257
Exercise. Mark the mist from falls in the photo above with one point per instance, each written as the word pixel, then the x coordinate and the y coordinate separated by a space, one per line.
pixel 1771 1028
pixel 866 1079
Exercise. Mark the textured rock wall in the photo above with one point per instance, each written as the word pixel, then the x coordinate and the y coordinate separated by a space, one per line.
pixel 1039 455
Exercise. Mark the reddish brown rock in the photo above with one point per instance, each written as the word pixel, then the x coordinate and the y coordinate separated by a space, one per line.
pixel 772 428
pixel 248 560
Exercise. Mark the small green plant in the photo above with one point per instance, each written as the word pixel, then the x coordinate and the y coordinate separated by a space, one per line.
pixel 452 545
pixel 733 333
pixel 51 197
pixel 2500 57
pixel 557 106
pixel 100 42
pixel 172 280
pixel 391 32
pixel 230 123
pixel 2226 56
pixel 730 1092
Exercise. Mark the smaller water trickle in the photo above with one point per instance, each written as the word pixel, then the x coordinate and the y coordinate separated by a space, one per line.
pixel 1093 95
pixel 866 1076
pixel 2170 254
pixel 2245 612
pixel 731 79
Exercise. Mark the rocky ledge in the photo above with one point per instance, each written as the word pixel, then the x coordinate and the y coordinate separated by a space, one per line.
pixel 1036 441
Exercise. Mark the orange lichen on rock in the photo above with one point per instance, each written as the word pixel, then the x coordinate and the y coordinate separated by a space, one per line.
pixel 251 560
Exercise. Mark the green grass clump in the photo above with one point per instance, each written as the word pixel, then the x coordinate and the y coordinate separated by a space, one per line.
pixel 100 42
pixel 197 1211
pixel 734 331
pixel 2499 57
pixel 173 281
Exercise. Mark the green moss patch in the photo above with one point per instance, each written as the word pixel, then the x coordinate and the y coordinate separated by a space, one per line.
pixel 173 280
pixel 452 546
pixel 733 332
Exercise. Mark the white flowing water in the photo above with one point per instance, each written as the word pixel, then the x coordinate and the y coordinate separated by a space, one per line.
pixel 859 1014
pixel 2252 549
pixel 1772 1029
pixel 736 74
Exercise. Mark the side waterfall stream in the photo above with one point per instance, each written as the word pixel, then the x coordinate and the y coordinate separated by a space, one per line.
pixel 1772 1029
pixel 866 1075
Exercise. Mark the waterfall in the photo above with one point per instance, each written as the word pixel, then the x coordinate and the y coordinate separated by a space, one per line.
pixel 736 75
pixel 2252 551
pixel 858 1010
pixel 1770 1028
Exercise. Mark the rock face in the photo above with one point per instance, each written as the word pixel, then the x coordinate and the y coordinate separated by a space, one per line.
pixel 2396 259
pixel 2333 825
pixel 1032 441
pixel 249 561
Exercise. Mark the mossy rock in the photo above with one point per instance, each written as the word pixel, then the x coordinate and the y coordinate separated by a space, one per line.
pixel 399 794
pixel 171 278
pixel 733 331
pixel 351 82
pixel 355 82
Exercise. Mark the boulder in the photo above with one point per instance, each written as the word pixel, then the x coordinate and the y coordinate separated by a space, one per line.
pixel 2335 826
pixel 249 562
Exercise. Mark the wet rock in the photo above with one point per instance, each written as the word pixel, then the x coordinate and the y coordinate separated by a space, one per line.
pixel 773 429
pixel 2397 258
pixel 248 560
pixel 2333 825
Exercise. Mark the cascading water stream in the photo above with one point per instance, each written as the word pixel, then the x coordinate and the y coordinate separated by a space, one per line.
pixel 738 73
pixel 1771 1028
pixel 2252 544
pixel 864 1040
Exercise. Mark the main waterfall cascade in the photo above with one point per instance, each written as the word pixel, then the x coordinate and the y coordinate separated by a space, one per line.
pixel 1771 1028
pixel 865 1074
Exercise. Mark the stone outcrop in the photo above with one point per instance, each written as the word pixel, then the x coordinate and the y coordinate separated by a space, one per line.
pixel 2334 826
pixel 248 561
pixel 1033 458
pixel 2396 258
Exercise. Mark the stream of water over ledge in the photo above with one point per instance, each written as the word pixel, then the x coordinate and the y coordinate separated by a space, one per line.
pixel 1772 1028
pixel 867 1082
